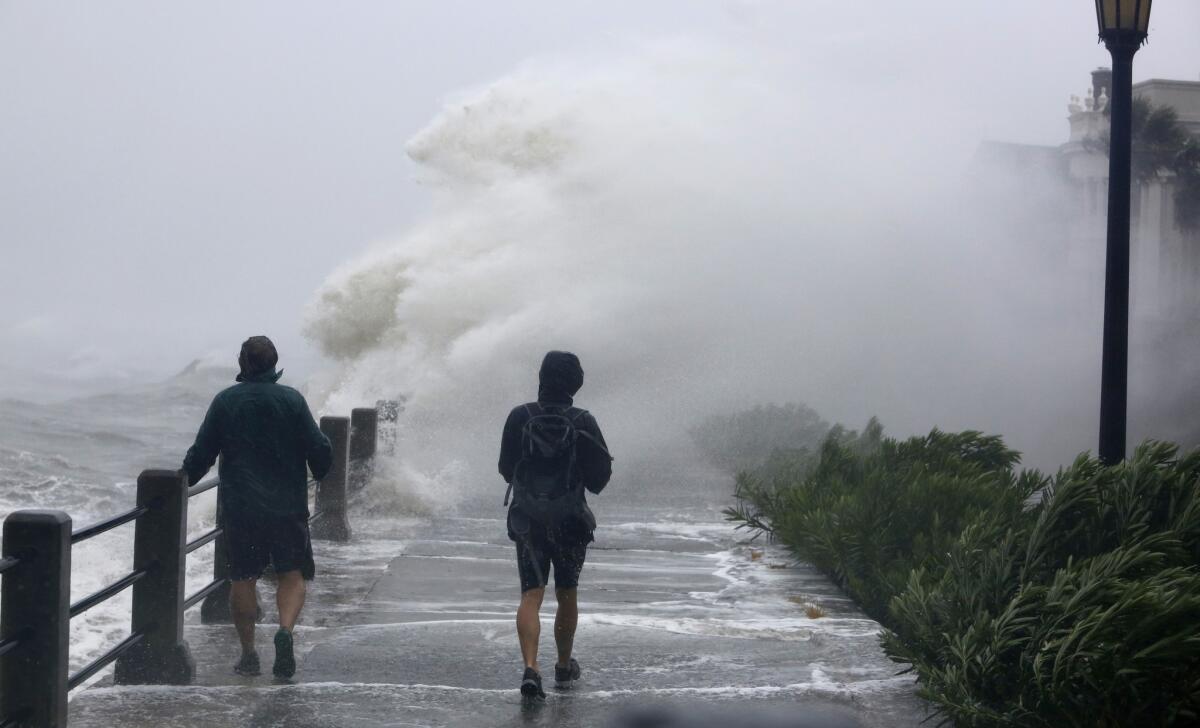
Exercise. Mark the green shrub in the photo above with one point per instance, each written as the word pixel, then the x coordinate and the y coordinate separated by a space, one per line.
pixel 1084 611
pixel 1080 610
pixel 868 510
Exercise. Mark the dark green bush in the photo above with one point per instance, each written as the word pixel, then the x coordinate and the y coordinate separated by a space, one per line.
pixel 1081 610
pixel 867 510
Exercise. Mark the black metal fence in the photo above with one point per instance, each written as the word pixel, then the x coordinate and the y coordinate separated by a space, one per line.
pixel 35 597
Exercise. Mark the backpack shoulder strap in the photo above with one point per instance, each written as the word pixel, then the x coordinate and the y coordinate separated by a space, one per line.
pixel 571 412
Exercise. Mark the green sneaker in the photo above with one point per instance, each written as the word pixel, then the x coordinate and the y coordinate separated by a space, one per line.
pixel 248 665
pixel 285 659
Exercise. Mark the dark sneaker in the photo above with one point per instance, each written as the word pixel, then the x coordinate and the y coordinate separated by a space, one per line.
pixel 564 676
pixel 285 660
pixel 248 665
pixel 531 684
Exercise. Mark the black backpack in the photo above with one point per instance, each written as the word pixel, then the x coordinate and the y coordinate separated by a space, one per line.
pixel 546 486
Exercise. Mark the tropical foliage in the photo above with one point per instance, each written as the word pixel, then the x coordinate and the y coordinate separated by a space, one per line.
pixel 868 510
pixel 1018 599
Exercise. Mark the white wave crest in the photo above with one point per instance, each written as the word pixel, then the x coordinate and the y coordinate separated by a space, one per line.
pixel 399 488
pixel 704 227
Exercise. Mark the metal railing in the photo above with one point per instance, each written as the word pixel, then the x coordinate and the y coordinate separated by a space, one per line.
pixel 35 606
pixel 96 529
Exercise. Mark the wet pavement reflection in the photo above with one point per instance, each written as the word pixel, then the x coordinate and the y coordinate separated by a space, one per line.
pixel 412 625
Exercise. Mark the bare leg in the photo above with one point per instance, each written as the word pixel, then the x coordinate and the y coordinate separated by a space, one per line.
pixel 243 606
pixel 565 621
pixel 289 597
pixel 529 625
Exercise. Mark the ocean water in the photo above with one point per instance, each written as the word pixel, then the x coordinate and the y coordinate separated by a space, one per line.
pixel 83 456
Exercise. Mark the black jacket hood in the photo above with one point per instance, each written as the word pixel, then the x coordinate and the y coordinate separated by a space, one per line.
pixel 560 377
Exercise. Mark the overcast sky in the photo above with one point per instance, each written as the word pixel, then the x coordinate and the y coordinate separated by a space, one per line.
pixel 177 176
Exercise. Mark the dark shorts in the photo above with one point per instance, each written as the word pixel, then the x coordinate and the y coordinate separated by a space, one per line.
pixel 256 541
pixel 567 560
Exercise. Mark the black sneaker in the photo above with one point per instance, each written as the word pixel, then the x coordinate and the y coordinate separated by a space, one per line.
pixel 285 660
pixel 248 665
pixel 531 684
pixel 564 676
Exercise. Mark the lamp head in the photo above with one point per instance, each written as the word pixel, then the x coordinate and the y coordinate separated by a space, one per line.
pixel 1123 22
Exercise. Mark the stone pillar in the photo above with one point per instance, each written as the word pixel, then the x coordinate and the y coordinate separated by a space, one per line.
pixel 331 523
pixel 363 427
pixel 35 611
pixel 159 547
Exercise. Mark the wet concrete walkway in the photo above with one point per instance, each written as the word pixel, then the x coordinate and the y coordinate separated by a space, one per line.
pixel 414 627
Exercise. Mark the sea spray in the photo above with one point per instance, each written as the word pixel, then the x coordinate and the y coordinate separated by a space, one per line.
pixel 399 488
pixel 706 232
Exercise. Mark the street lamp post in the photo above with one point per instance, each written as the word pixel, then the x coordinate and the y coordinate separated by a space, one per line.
pixel 1123 26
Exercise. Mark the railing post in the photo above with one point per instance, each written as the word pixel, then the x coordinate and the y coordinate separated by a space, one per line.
pixel 363 429
pixel 159 547
pixel 389 415
pixel 332 524
pixel 215 607
pixel 35 608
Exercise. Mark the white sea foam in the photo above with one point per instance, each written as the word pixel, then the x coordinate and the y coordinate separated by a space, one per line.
pixel 666 211
pixel 784 629
pixel 822 686
pixel 308 686
pixel 400 488
pixel 581 693
pixel 703 532
pixel 441 557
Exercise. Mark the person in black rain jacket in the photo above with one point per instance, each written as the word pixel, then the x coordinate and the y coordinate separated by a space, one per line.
pixel 564 546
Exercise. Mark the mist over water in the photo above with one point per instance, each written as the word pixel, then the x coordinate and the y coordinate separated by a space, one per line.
pixel 708 230
pixel 712 224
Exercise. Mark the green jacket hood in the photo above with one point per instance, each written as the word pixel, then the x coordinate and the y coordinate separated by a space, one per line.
pixel 262 377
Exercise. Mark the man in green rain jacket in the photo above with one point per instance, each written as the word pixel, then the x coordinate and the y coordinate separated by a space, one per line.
pixel 267 440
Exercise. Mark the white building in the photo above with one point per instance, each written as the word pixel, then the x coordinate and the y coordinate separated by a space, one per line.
pixel 1064 192
pixel 1165 260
